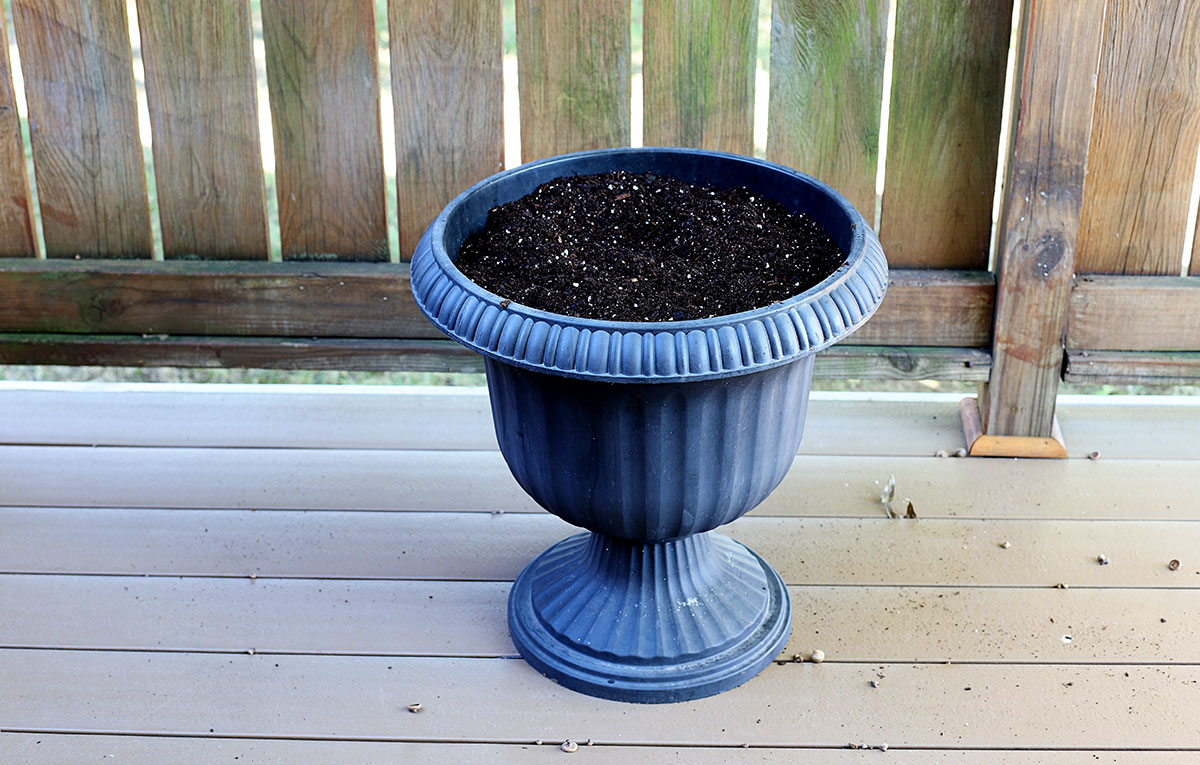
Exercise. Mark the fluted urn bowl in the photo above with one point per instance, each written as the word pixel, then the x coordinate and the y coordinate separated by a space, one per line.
pixel 650 435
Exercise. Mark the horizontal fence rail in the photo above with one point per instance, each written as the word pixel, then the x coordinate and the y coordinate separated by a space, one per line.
pixel 325 73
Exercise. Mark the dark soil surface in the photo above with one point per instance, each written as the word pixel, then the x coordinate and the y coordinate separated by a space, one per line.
pixel 641 247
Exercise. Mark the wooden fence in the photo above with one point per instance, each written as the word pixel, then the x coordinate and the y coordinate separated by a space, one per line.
pixel 1094 213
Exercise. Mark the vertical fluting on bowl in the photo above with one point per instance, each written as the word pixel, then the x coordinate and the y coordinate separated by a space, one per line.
pixel 649 461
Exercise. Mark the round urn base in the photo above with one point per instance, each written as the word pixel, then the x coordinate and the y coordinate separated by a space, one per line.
pixel 649 622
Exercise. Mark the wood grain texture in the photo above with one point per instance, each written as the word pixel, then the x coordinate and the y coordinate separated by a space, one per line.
pixel 1134 313
pixel 369 300
pixel 947 98
pixel 1132 368
pixel 1040 214
pixel 388 355
pixel 447 83
pixel 982 445
pixel 574 75
pixel 699 73
pixel 826 86
pixel 333 354
pixel 16 220
pixel 211 298
pixel 1194 268
pixel 876 362
pixel 77 65
pixel 932 307
pixel 1145 130
pixel 204 116
pixel 323 78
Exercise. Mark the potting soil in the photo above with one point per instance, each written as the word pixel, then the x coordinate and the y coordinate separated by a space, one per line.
pixel 642 247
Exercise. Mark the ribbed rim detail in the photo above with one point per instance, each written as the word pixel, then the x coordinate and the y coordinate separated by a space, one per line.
pixel 618 351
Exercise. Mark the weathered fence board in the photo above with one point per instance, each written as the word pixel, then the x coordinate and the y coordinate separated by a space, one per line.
pixel 1131 368
pixel 446 84
pixel 366 300
pixel 826 85
pixel 943 133
pixel 385 355
pixel 211 298
pixel 1040 220
pixel 952 308
pixel 574 87
pixel 16 222
pixel 323 78
pixel 574 76
pixel 359 354
pixel 204 117
pixel 78 71
pixel 699 73
pixel 1194 269
pixel 1145 130
pixel 1134 313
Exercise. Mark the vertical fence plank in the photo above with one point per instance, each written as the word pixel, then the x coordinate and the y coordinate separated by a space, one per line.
pixel 826 86
pixel 78 71
pixel 447 81
pixel 323 81
pixel 943 133
pixel 574 77
pixel 1040 219
pixel 16 223
pixel 204 116
pixel 698 58
pixel 1194 269
pixel 1144 136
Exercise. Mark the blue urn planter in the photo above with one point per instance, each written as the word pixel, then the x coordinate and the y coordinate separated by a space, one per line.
pixel 650 435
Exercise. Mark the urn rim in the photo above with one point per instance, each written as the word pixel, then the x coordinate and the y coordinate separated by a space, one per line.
pixel 625 351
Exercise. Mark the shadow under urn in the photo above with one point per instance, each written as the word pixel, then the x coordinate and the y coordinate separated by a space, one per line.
pixel 650 435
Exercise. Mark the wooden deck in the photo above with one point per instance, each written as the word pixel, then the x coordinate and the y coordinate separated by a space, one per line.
pixel 274 574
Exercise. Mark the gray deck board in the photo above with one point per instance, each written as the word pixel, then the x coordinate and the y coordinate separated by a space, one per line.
pixel 479 481
pixel 394 618
pixel 378 417
pixel 479 546
pixel 55 749
pixel 506 701
pixel 130 625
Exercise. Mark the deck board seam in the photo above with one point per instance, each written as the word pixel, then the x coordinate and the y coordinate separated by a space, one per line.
pixel 867 662
pixel 484 580
pixel 479 580
pixel 542 513
pixel 800 455
pixel 550 742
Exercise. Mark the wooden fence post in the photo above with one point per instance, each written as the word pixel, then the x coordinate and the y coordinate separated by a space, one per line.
pixel 1060 47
